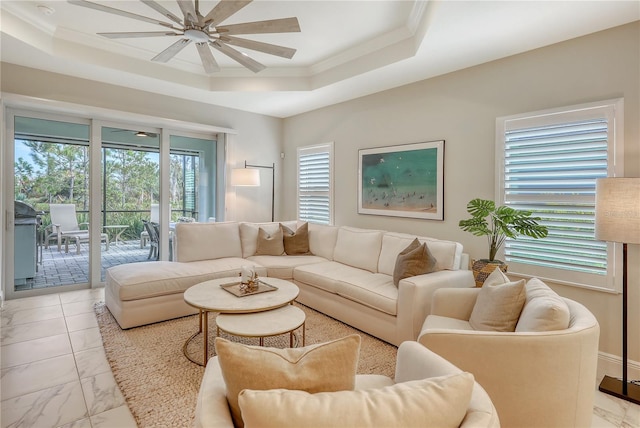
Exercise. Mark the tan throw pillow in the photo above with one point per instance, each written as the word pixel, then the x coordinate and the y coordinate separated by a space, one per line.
pixel 543 310
pixel 329 366
pixel 498 305
pixel 434 402
pixel 296 242
pixel 270 244
pixel 414 260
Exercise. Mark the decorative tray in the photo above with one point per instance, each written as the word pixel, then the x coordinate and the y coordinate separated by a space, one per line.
pixel 234 288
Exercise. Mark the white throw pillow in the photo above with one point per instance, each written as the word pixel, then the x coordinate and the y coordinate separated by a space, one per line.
pixel 499 304
pixel 207 241
pixel 359 248
pixel 543 310
pixel 322 240
pixel 434 402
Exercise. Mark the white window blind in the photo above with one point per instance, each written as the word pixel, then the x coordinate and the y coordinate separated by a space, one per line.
pixel 315 183
pixel 550 163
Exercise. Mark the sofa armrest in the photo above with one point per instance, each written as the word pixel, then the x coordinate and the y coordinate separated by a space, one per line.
pixel 415 362
pixel 212 408
pixel 464 262
pixel 454 302
pixel 415 293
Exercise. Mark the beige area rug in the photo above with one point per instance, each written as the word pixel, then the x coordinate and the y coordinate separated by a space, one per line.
pixel 161 385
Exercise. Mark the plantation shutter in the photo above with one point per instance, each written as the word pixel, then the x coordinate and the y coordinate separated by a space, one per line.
pixel 315 184
pixel 550 166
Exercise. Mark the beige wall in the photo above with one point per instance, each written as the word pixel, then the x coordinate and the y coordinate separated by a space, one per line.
pixel 258 139
pixel 462 108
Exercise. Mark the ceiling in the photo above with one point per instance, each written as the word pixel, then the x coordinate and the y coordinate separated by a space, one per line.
pixel 346 49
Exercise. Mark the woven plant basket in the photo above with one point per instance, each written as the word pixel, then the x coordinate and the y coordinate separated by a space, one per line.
pixel 482 269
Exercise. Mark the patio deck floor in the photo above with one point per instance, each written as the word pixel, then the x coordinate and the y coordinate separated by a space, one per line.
pixel 60 268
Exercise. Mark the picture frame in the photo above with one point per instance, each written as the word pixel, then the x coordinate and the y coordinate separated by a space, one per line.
pixel 402 181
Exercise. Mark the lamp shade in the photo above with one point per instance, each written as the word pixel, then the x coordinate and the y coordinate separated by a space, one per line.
pixel 618 210
pixel 245 177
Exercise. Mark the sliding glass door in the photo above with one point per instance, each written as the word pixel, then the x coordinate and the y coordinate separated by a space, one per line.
pixel 51 198
pixel 83 189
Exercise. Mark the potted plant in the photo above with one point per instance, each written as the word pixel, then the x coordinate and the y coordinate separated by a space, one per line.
pixel 497 224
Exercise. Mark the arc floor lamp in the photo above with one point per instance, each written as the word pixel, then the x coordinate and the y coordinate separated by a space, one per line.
pixel 618 220
pixel 250 176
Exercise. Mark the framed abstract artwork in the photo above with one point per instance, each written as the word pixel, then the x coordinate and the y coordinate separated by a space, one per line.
pixel 402 181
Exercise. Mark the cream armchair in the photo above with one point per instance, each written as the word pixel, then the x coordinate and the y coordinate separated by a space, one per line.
pixel 535 379
pixel 414 362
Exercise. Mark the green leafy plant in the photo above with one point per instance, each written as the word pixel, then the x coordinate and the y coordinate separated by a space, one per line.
pixel 499 223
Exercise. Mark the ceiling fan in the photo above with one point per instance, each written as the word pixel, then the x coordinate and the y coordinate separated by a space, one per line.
pixel 206 31
pixel 137 133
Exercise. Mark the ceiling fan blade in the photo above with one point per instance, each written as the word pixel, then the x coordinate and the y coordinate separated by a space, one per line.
pixel 159 8
pixel 208 61
pixel 131 34
pixel 189 11
pixel 283 25
pixel 223 10
pixel 119 12
pixel 171 51
pixel 243 59
pixel 268 48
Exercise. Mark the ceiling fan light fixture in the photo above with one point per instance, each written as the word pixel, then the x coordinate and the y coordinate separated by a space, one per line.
pixel 197 36
pixel 141 134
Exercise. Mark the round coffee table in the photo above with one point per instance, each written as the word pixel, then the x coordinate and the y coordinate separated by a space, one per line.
pixel 275 322
pixel 209 296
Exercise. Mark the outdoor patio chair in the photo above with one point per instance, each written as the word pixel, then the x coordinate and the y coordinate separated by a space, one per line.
pixel 155 218
pixel 153 229
pixel 64 228
pixel 152 234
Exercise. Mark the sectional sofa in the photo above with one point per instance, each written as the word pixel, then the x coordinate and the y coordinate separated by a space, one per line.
pixel 347 274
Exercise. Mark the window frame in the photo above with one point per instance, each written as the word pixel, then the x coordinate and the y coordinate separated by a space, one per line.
pixel 317 148
pixel 613 110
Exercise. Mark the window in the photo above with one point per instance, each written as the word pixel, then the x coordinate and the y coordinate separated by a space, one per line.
pixel 548 163
pixel 315 183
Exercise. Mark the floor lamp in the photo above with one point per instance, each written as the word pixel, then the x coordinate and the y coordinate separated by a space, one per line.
pixel 248 176
pixel 618 220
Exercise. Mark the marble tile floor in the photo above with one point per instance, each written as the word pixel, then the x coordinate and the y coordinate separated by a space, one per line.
pixel 54 372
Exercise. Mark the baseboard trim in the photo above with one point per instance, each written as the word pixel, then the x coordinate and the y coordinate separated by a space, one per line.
pixel 611 365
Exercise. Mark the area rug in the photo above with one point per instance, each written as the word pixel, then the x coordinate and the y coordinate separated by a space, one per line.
pixel 160 385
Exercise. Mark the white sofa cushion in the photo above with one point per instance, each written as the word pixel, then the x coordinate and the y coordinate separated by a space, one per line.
pixel 249 234
pixel 370 289
pixel 359 248
pixel 543 310
pixel 282 267
pixel 152 279
pixel 324 276
pixel 374 290
pixel 446 253
pixel 207 241
pixel 436 322
pixel 322 240
pixel 435 402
